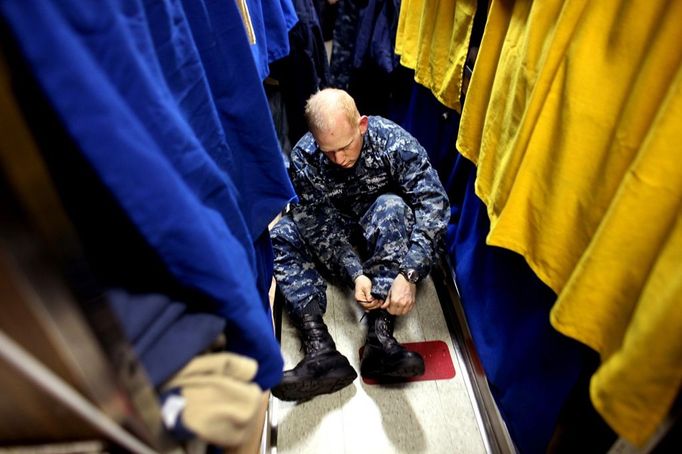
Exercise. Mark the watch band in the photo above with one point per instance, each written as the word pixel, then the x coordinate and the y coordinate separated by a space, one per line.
pixel 411 275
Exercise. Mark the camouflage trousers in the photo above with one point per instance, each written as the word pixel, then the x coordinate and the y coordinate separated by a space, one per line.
pixel 381 239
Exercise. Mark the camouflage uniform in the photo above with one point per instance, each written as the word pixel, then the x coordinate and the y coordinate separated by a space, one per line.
pixel 367 211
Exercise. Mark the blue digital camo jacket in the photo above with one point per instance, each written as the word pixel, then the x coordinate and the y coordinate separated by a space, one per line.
pixel 333 199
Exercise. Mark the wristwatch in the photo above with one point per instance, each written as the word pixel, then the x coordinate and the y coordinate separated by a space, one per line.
pixel 411 275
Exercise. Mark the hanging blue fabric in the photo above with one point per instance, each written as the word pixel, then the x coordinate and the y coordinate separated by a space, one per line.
pixel 243 112
pixel 255 169
pixel 195 165
pixel 271 21
pixel 279 17
pixel 376 33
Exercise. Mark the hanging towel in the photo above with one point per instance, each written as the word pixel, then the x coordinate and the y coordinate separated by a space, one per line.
pixel 433 39
pixel 572 119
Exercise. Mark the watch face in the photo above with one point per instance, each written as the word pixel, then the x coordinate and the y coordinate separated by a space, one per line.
pixel 412 276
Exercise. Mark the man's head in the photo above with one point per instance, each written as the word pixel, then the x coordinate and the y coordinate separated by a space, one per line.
pixel 336 125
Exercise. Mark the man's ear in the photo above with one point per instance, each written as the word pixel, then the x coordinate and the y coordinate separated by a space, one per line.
pixel 363 123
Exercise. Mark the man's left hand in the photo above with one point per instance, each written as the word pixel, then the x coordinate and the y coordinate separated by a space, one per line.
pixel 401 297
pixel 363 293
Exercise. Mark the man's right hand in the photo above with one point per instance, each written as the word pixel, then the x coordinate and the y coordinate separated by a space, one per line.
pixel 363 293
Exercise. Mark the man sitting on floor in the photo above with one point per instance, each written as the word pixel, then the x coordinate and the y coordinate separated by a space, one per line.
pixel 372 215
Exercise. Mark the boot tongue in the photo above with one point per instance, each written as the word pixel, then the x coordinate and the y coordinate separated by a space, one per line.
pixel 384 333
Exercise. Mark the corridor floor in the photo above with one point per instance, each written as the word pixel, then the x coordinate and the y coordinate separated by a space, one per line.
pixel 434 416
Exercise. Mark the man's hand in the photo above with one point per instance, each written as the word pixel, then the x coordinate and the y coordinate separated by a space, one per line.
pixel 401 298
pixel 363 293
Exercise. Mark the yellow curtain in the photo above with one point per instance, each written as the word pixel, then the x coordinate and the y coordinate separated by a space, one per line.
pixel 574 119
pixel 433 39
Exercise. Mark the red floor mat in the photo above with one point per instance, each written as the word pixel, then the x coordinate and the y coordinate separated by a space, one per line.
pixel 437 361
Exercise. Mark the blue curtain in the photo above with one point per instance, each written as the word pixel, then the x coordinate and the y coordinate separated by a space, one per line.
pixel 164 101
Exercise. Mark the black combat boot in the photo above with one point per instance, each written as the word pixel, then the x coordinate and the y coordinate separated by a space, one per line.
pixel 383 357
pixel 323 370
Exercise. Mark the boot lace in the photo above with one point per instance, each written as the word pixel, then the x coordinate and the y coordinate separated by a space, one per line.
pixel 315 338
pixel 384 333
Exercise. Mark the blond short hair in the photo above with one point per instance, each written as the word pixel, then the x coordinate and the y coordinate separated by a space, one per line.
pixel 321 107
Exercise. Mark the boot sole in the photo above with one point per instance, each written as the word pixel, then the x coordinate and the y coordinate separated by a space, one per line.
pixel 409 370
pixel 304 390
